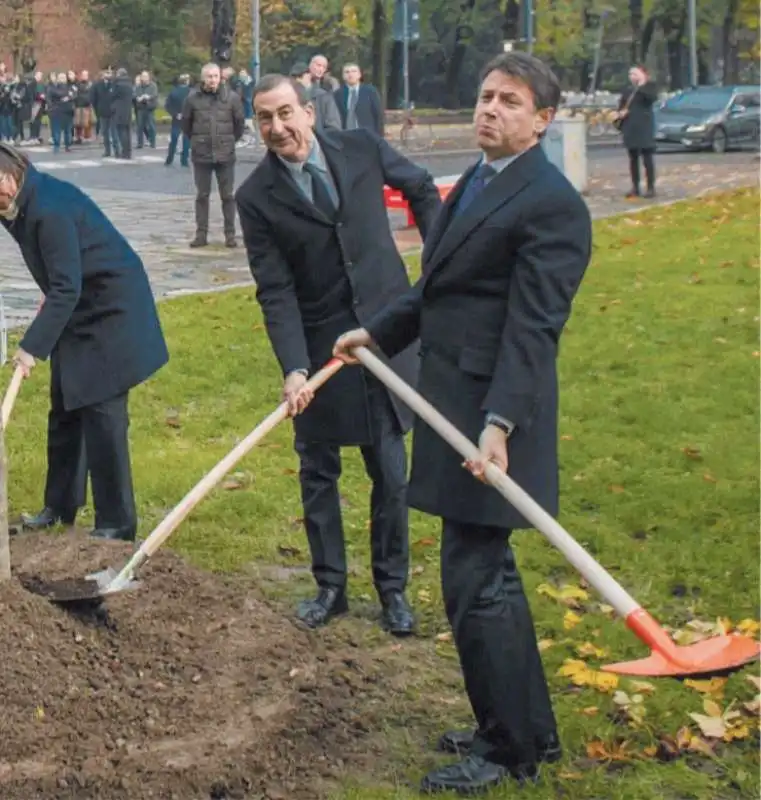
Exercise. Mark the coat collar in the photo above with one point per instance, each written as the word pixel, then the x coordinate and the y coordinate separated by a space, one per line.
pixel 285 190
pixel 450 231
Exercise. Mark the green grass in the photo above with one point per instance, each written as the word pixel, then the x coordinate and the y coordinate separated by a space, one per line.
pixel 659 418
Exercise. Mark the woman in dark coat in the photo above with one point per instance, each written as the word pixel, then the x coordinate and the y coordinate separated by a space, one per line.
pixel 637 123
pixel 99 326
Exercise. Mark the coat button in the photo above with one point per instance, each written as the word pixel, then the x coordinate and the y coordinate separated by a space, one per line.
pixel 348 264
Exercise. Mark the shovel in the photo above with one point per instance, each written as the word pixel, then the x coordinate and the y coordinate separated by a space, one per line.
pixel 92 589
pixel 715 655
pixel 5 415
pixel 10 397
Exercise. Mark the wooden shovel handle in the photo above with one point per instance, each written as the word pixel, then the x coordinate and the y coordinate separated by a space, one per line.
pixel 175 517
pixel 10 397
pixel 594 572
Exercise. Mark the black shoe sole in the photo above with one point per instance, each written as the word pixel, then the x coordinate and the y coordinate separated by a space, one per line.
pixel 545 755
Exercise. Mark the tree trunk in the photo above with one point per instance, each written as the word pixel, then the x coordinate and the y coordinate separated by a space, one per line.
pixel 451 86
pixel 379 47
pixel 395 87
pixel 674 49
pixel 5 547
pixel 635 23
pixel 727 44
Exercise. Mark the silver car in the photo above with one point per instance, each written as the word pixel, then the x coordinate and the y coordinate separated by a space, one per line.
pixel 710 117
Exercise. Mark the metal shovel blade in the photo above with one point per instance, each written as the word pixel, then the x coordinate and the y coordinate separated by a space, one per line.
pixel 709 657
pixel 93 587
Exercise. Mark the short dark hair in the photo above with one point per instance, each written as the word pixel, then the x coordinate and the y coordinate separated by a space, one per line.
pixel 539 78
pixel 274 79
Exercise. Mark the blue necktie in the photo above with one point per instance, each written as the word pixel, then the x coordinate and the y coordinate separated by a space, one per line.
pixel 474 186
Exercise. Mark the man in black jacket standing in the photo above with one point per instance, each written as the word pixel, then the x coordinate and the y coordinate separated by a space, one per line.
pixel 121 112
pixel 173 105
pixel 212 118
pixel 321 251
pixel 99 327
pixel 500 271
pixel 102 101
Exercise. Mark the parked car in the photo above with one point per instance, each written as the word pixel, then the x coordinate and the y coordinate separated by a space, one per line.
pixel 710 117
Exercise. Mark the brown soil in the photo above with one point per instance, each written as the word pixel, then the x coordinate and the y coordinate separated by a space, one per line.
pixel 190 686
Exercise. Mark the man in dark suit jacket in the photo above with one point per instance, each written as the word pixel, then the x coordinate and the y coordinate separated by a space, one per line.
pixel 320 249
pixel 500 271
pixel 359 104
pixel 99 326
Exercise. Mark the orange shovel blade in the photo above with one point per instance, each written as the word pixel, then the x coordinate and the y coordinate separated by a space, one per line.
pixel 710 656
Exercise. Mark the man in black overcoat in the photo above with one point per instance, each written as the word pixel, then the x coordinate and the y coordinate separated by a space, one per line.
pixel 99 326
pixel 501 267
pixel 324 260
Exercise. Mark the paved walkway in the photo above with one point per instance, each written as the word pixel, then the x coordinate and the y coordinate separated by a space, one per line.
pixel 159 226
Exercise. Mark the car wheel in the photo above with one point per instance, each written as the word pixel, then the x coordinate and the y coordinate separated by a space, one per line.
pixel 719 141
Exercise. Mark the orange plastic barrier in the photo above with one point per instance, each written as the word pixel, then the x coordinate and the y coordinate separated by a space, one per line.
pixel 394 199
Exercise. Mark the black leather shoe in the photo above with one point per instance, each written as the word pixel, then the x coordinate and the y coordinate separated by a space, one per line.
pixel 46 519
pixel 473 775
pixel 397 615
pixel 548 748
pixel 230 242
pixel 329 603
pixel 199 241
pixel 126 534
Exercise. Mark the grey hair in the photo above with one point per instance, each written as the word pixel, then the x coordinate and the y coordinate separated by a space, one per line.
pixel 539 78
pixel 211 65
pixel 274 79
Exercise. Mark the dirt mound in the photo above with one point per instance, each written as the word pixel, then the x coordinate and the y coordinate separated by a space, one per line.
pixel 189 687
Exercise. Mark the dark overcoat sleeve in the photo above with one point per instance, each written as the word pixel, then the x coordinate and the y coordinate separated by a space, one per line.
pixel 546 273
pixel 398 325
pixel 275 289
pixel 58 240
pixel 186 122
pixel 414 182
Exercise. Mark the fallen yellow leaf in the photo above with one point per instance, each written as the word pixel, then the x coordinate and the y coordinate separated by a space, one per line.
pixel 444 637
pixel 713 687
pixel 684 737
pixel 570 776
pixel 581 675
pixel 545 644
pixel 748 627
pixel 570 620
pixel 587 649
pixel 738 731
pixel 589 711
pixel 698 745
pixel 570 596
pixel 642 686
pixel 600 751
pixel 650 752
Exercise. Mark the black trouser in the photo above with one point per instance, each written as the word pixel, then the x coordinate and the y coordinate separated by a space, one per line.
pixel 110 136
pixel 495 638
pixel 648 161
pixel 226 184
pixel 386 464
pixel 35 130
pixel 124 134
pixel 100 431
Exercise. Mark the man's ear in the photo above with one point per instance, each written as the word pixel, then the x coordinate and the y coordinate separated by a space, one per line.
pixel 543 119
